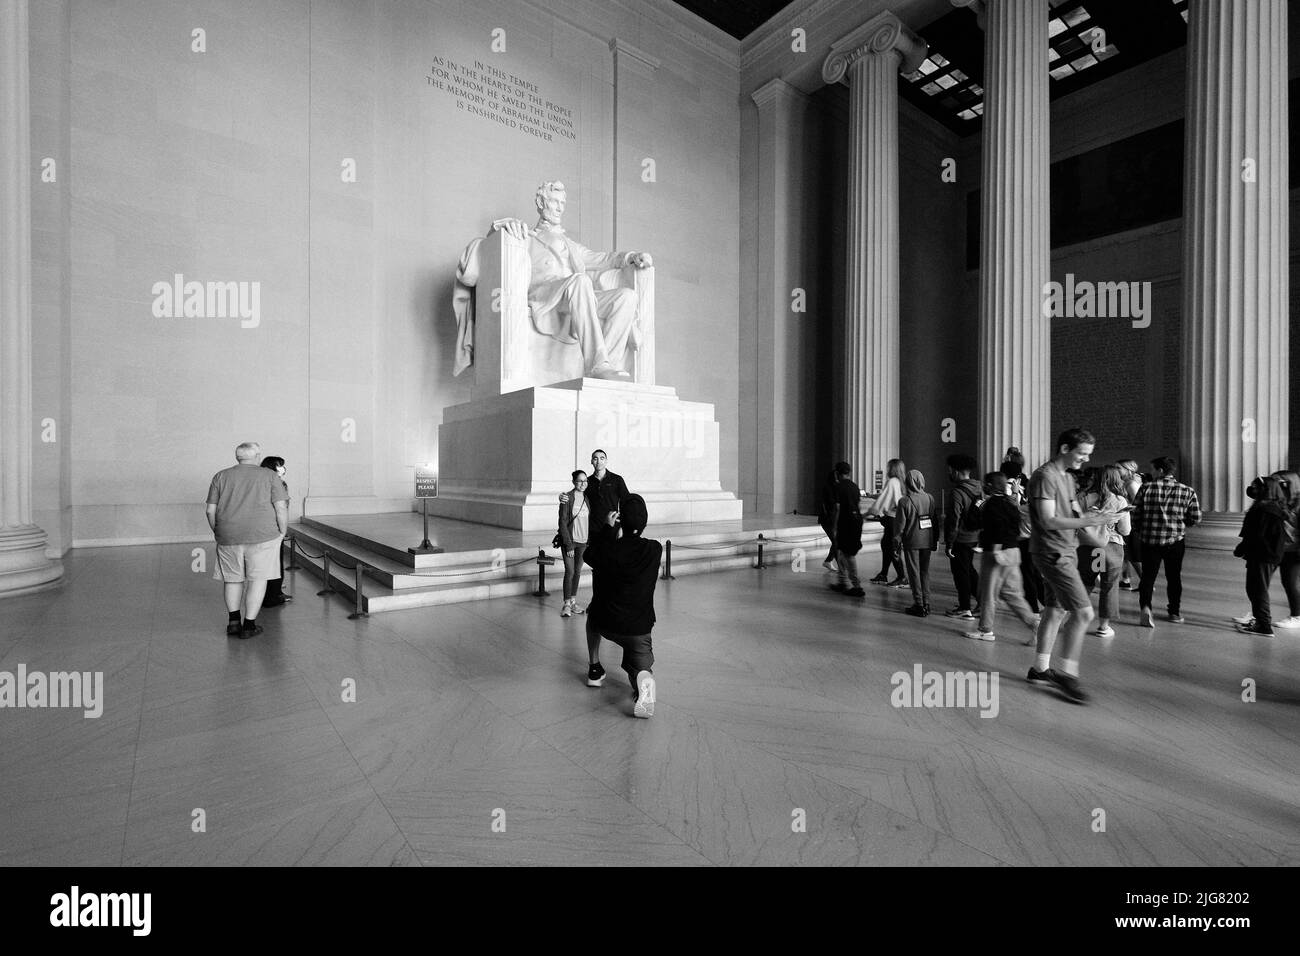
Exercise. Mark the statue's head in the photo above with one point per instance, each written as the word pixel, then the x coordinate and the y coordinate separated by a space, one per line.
pixel 550 200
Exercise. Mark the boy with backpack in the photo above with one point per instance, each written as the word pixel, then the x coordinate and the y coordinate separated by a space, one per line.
pixel 1263 543
pixel 1000 563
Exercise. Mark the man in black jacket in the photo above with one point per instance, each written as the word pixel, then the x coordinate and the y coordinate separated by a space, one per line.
pixel 605 492
pixel 625 569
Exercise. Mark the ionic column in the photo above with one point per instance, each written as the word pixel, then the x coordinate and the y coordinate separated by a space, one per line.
pixel 869 60
pixel 23 565
pixel 1235 249
pixel 1015 341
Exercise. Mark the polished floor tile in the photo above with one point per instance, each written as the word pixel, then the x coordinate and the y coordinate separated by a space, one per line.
pixel 466 735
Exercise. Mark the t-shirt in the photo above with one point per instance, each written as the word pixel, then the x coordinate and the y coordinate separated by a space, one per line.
pixel 1050 483
pixel 245 497
pixel 578 526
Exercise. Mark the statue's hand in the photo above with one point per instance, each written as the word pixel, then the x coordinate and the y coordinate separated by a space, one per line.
pixel 515 228
pixel 640 260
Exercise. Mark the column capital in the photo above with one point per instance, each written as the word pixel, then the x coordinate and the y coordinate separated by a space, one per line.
pixel 977 7
pixel 626 53
pixel 882 34
pixel 775 89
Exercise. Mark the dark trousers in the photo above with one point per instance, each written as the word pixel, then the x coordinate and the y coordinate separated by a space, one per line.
pixel 889 550
pixel 1172 556
pixel 1291 580
pixel 1259 575
pixel 918 574
pixel 829 528
pixel 638 655
pixel 1029 577
pixel 964 575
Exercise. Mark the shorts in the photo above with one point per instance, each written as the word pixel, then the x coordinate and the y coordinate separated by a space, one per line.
pixel 237 563
pixel 1062 586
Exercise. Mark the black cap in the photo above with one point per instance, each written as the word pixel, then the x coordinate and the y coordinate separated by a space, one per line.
pixel 632 514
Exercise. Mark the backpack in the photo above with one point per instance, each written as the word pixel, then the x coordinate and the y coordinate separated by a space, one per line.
pixel 1097 535
pixel 971 519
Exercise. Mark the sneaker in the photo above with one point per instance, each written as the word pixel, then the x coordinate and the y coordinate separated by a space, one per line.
pixel 1245 619
pixel 1288 622
pixel 900 584
pixel 1144 618
pixel 576 608
pixel 855 592
pixel 595 675
pixel 1175 617
pixel 253 631
pixel 1253 629
pixel 829 565
pixel 1045 676
pixel 645 695
pixel 960 613
pixel 566 609
pixel 234 629
pixel 981 635
pixel 1106 631
pixel 916 610
pixel 927 610
pixel 1070 687
pixel 1126 585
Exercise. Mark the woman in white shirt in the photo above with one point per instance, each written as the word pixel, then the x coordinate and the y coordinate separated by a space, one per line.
pixel 574 517
pixel 885 507
pixel 1106 562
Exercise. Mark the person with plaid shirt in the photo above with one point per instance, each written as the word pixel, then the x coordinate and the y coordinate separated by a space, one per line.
pixel 1164 509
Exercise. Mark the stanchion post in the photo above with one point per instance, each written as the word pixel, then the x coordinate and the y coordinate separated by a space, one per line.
pixel 361 575
pixel 329 582
pixel 543 559
pixel 761 542
pixel 293 554
pixel 668 561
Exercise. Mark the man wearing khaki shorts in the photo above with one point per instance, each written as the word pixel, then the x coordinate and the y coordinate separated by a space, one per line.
pixel 248 512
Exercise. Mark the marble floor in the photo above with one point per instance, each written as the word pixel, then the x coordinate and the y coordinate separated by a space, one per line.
pixel 473 739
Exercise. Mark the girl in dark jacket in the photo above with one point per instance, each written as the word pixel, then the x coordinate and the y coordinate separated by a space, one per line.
pixel 1263 542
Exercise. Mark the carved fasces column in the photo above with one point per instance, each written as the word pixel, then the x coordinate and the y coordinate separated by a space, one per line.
pixel 23 565
pixel 1235 249
pixel 1015 341
pixel 869 60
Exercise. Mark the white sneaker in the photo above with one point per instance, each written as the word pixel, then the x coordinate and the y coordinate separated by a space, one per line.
pixel 645 695
pixel 574 606
pixel 567 609
pixel 1244 619
pixel 1288 622
pixel 829 565
pixel 1145 618
pixel 981 635
pixel 1106 631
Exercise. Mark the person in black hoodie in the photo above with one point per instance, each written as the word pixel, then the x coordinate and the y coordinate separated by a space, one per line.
pixel 625 570
pixel 999 536
pixel 1263 542
pixel 958 533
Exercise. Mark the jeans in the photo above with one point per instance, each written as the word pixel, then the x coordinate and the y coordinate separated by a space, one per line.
pixel 964 575
pixel 918 574
pixel 1259 575
pixel 1172 556
pixel 1112 563
pixel 1001 580
pixel 848 569
pixel 573 570
pixel 889 549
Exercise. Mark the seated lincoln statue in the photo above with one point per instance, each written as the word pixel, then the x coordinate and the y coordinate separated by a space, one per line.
pixel 574 295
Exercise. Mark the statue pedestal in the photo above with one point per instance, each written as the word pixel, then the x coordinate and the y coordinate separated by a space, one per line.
pixel 504 459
